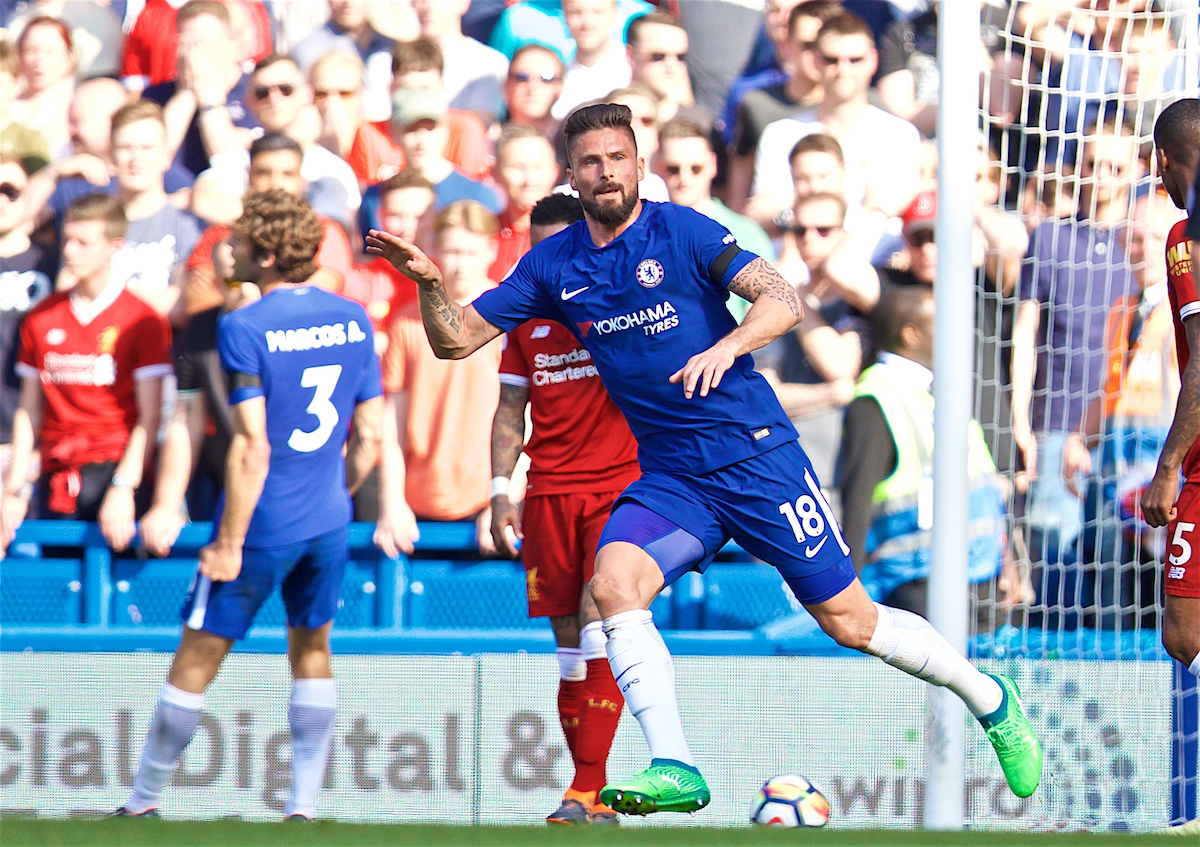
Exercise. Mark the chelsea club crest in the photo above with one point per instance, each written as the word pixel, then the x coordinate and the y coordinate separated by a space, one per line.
pixel 649 273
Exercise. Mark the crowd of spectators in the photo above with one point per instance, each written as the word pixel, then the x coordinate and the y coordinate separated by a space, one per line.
pixel 806 128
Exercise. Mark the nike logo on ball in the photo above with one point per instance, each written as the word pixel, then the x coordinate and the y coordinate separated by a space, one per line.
pixel 567 295
pixel 812 551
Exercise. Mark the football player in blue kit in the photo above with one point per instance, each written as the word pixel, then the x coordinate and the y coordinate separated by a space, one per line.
pixel 302 367
pixel 643 286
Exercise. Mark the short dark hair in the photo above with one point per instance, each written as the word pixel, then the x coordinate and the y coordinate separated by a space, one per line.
pixel 817 142
pixel 822 10
pixel 1177 132
pixel 196 8
pixel 823 197
pixel 276 222
pixel 846 23
pixel 631 34
pixel 274 59
pixel 597 116
pixel 556 209
pixel 420 54
pixel 535 45
pixel 274 142
pixel 105 208
pixel 515 132
pixel 407 178
pixel 899 306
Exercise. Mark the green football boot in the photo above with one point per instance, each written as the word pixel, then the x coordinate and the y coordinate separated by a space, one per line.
pixel 1012 737
pixel 665 786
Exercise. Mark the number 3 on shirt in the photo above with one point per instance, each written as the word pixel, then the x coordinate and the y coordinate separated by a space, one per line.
pixel 1185 546
pixel 324 379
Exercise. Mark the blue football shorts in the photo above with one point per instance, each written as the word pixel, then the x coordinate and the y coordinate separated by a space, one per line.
pixel 770 504
pixel 309 574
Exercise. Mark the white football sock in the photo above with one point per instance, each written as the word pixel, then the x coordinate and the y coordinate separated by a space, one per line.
pixel 642 667
pixel 592 641
pixel 311 713
pixel 1194 667
pixel 174 723
pixel 571 666
pixel 910 643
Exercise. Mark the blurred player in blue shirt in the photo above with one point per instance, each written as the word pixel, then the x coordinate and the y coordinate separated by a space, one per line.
pixel 302 366
pixel 643 286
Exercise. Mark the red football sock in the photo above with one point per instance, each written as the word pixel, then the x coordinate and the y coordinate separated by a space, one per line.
pixel 598 719
pixel 570 702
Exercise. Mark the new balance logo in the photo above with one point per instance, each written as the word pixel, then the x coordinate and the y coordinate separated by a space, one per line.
pixel 812 551
pixel 567 295
pixel 540 331
pixel 1175 572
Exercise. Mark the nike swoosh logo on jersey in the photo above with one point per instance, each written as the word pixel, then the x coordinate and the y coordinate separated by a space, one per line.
pixel 567 295
pixel 812 551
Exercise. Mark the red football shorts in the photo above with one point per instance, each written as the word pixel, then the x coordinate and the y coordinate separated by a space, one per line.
pixel 1181 572
pixel 559 551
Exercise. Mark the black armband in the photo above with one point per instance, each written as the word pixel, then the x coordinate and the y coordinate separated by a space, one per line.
pixel 716 271
pixel 237 380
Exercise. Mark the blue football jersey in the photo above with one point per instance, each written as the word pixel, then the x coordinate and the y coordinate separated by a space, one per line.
pixel 315 354
pixel 642 306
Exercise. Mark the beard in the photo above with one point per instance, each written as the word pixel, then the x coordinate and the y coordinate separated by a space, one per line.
pixel 606 214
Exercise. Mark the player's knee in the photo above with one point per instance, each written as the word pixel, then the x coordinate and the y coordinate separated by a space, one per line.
pixel 1180 643
pixel 848 630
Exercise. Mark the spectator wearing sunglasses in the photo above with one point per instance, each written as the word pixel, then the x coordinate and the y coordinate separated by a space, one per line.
pixel 882 152
pixel 534 84
pixel 205 106
pixel 813 367
pixel 282 102
pixel 687 164
pixel 657 53
pixel 599 65
pixel 336 81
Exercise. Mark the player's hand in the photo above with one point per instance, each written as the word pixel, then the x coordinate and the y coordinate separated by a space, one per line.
pixel 117 523
pixel 160 529
pixel 704 370
pixel 12 514
pixel 406 258
pixel 1076 462
pixel 397 533
pixel 1027 444
pixel 506 526
pixel 1158 500
pixel 221 562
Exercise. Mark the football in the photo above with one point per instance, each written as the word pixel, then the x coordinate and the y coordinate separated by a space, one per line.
pixel 789 800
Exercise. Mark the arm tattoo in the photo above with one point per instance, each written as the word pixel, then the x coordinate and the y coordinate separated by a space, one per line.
pixel 508 429
pixel 760 279
pixel 445 308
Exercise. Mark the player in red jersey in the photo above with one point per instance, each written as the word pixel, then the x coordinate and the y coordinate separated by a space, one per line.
pixel 92 363
pixel 1177 143
pixel 582 455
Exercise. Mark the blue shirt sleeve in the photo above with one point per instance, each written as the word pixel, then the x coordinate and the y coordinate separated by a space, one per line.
pixel 239 354
pixel 523 294
pixel 705 240
pixel 1192 230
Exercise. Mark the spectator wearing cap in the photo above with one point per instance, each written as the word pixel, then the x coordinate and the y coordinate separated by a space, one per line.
pixel 349 28
pixel 534 84
pixel 527 171
pixel 205 106
pixel 473 73
pixel 916 264
pixel 687 164
pixel 377 153
pixel 419 118
pixel 882 152
pixel 600 64
pixel 281 101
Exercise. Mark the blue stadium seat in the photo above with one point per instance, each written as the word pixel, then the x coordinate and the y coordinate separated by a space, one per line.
pixel 454 595
pixel 745 596
pixel 41 592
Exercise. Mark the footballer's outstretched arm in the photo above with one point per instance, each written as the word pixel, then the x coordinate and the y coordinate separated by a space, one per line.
pixel 454 331
pixel 1158 503
pixel 245 474
pixel 776 309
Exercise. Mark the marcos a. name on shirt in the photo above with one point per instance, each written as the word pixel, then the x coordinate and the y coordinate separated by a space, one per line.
pixel 313 337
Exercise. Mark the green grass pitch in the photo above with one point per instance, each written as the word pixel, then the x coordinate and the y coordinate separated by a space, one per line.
pixel 230 833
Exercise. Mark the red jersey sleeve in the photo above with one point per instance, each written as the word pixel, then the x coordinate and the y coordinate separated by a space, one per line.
pixel 335 252
pixel 201 257
pixel 1179 272
pixel 149 347
pixel 514 364
pixel 27 356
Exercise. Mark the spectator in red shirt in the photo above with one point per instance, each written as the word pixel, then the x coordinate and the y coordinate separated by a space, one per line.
pixel 527 171
pixel 336 80
pixel 92 363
